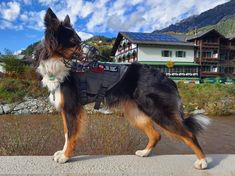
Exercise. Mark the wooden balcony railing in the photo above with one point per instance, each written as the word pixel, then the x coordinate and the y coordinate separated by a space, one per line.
pixel 207 59
pixel 211 43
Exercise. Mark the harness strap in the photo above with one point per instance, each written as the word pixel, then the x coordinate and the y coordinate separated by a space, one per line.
pixel 100 97
pixel 83 90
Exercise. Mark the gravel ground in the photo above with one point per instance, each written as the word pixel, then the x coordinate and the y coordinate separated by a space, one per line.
pixel 104 135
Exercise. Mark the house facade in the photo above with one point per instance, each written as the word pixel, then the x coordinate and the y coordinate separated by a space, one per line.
pixel 170 55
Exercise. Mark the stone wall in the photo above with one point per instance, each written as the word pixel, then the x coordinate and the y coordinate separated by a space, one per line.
pixel 28 106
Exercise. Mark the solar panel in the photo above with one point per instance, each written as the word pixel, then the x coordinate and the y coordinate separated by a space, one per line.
pixel 151 37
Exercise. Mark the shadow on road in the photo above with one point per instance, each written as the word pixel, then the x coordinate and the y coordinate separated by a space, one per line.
pixel 216 160
pixel 83 158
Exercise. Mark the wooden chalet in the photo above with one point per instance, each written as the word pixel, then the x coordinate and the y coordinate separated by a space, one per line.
pixel 215 54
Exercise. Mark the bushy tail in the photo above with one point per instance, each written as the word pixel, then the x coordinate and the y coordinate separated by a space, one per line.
pixel 196 123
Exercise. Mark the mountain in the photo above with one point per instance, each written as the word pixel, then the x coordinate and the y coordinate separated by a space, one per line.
pixel 103 44
pixel 210 17
pixel 29 50
pixel 225 26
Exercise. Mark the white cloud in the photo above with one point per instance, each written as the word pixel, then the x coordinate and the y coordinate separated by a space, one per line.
pixel 27 2
pixel 48 2
pixel 9 25
pixel 17 52
pixel 84 35
pixel 108 15
pixel 24 17
pixel 33 20
pixel 144 15
pixel 10 11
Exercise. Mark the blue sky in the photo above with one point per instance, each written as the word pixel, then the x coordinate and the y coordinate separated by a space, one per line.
pixel 21 21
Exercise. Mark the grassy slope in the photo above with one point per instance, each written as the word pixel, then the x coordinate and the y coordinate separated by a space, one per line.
pixel 225 27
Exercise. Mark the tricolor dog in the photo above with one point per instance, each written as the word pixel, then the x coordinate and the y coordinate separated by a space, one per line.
pixel 145 95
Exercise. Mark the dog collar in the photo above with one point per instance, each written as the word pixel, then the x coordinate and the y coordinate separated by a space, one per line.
pixel 51 77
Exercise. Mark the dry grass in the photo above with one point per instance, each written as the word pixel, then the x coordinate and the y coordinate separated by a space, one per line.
pixel 43 135
pixel 104 134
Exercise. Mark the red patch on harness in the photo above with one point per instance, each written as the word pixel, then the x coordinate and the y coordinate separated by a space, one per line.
pixel 99 69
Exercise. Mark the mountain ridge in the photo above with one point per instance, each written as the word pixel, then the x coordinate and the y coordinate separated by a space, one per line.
pixel 209 17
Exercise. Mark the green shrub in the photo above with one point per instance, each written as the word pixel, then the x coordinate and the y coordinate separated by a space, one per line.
pixel 12 64
pixel 12 90
pixel 216 99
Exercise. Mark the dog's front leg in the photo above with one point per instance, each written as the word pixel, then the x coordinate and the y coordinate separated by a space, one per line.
pixel 72 127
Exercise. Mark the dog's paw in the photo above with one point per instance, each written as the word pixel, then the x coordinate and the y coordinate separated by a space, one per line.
pixel 57 153
pixel 143 153
pixel 200 164
pixel 59 157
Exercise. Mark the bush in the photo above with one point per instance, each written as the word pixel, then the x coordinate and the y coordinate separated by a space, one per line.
pixel 12 90
pixel 13 66
pixel 215 99
pixel 16 69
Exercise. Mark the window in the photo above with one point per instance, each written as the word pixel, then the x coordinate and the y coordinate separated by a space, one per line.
pixel 166 53
pixel 180 54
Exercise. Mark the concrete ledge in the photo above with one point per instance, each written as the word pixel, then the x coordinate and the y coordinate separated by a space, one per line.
pixel 164 165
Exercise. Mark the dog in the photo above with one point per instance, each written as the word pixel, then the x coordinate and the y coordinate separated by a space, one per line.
pixel 146 96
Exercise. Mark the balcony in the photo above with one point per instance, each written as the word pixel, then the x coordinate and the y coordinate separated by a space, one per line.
pixel 210 44
pixel 208 60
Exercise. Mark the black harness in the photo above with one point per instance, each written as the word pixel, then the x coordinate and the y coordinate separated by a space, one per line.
pixel 95 78
pixel 95 82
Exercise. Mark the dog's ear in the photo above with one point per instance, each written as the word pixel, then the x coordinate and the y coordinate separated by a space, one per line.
pixel 50 20
pixel 66 21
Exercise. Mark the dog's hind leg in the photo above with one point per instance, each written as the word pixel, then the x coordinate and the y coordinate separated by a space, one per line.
pixel 140 120
pixel 190 140
pixel 72 127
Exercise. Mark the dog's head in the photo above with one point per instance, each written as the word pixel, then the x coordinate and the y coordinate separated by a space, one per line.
pixel 60 40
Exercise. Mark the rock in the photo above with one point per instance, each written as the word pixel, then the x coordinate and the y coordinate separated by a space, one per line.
pixel 198 111
pixel 7 108
pixel 29 105
pixel 25 112
pixel 20 106
pixel 1 110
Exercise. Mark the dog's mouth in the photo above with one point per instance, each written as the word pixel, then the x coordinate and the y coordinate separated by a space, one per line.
pixel 80 57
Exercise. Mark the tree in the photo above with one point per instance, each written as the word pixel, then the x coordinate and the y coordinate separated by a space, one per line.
pixel 11 63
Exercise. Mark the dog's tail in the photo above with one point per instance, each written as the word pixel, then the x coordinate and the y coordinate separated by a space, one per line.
pixel 196 123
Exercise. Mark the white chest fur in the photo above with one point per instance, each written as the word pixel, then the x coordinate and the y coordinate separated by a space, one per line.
pixel 53 72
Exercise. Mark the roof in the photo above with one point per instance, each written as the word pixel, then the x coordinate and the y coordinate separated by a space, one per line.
pixel 27 59
pixel 181 37
pixel 150 39
pixel 154 38
pixel 164 63
pixel 201 34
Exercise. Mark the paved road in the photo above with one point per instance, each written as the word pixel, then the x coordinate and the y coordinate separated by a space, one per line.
pixel 164 165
